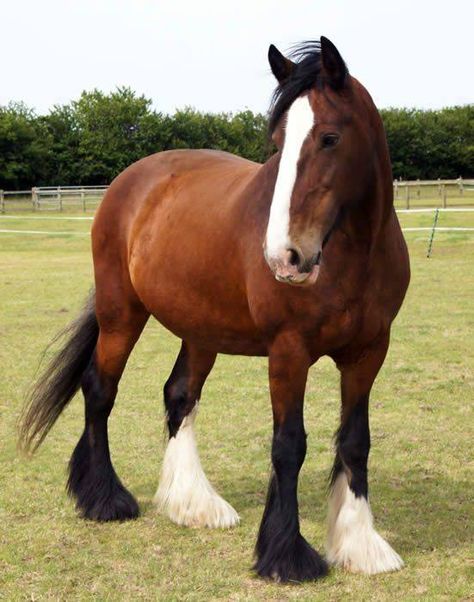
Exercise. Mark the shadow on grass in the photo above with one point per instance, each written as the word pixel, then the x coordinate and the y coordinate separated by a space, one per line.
pixel 417 512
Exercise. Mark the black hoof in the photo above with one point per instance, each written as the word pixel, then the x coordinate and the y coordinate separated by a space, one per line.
pixel 117 504
pixel 98 492
pixel 294 561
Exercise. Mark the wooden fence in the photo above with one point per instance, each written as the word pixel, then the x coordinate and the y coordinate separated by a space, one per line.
pixel 433 193
pixel 52 198
pixel 407 194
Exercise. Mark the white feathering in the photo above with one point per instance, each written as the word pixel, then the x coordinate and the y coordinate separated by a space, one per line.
pixel 353 543
pixel 184 493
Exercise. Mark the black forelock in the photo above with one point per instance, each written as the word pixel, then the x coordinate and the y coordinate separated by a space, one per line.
pixel 305 74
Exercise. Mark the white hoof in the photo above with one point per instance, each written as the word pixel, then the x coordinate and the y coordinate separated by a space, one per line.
pixel 184 494
pixel 353 543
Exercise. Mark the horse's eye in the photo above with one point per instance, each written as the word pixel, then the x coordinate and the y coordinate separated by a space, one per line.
pixel 328 140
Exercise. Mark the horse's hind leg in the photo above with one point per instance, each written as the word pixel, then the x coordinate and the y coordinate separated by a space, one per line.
pixel 184 493
pixel 92 480
pixel 353 543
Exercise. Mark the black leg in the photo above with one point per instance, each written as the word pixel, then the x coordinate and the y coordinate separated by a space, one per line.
pixel 92 480
pixel 353 446
pixel 282 552
pixel 180 395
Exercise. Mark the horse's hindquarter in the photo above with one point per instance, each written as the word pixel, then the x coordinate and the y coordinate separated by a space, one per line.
pixel 184 258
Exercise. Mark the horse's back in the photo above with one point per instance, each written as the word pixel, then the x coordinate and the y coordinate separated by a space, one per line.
pixel 147 174
pixel 170 185
pixel 193 179
pixel 172 219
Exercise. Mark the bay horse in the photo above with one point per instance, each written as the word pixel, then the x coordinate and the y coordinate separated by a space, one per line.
pixel 294 259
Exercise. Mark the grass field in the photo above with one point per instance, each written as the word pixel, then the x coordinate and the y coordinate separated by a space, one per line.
pixel 421 466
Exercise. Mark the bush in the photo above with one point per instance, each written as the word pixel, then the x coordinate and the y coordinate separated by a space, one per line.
pixel 92 139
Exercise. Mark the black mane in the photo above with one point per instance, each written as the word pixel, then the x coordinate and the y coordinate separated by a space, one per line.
pixel 305 74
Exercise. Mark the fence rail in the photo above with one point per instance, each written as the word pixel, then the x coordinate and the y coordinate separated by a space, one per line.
pixel 420 227
pixel 407 194
pixel 438 193
pixel 52 198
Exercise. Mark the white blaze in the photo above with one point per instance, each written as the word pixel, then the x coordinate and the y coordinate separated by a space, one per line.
pixel 300 120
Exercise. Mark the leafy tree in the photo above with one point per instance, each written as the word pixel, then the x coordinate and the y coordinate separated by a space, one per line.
pixel 92 139
pixel 113 132
pixel 24 148
pixel 64 164
pixel 431 144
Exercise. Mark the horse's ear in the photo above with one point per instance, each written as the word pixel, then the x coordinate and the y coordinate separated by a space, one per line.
pixel 281 66
pixel 334 68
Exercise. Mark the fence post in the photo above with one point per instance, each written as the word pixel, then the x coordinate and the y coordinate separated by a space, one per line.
pixel 60 199
pixel 418 188
pixel 430 243
pixel 407 196
pixel 34 198
pixel 83 199
pixel 2 202
pixel 444 195
pixel 439 186
pixel 461 185
pixel 395 191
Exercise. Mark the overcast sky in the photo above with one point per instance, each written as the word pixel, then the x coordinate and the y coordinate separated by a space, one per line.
pixel 213 55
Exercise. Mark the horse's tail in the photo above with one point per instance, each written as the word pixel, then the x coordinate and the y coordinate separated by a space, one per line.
pixel 61 379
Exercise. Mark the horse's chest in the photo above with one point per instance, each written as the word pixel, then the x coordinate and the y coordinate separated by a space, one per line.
pixel 332 326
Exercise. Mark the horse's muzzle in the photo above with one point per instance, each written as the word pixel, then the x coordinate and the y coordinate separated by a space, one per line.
pixel 289 267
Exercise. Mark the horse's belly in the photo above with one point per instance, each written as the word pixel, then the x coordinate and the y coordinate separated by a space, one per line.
pixel 196 305
pixel 194 322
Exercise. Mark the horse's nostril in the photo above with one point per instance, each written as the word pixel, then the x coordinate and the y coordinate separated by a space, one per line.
pixel 294 257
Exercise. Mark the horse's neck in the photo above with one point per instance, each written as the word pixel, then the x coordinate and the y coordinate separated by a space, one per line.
pixel 259 192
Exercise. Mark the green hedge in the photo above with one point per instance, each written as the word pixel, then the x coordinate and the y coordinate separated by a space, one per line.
pixel 89 141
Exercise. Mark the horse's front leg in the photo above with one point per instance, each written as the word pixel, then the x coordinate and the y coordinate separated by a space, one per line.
pixel 353 543
pixel 282 553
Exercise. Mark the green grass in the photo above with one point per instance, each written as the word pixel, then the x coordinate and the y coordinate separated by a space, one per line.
pixel 420 466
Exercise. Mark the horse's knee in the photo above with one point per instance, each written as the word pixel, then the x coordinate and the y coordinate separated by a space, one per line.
pixel 99 393
pixel 354 451
pixel 353 447
pixel 289 448
pixel 177 404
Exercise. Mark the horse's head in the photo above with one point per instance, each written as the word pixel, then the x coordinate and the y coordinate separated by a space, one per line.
pixel 321 121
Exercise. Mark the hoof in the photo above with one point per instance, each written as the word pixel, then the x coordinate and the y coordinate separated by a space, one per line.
pixel 197 509
pixel 98 492
pixel 184 493
pixel 296 562
pixel 353 543
pixel 119 505
pixel 369 554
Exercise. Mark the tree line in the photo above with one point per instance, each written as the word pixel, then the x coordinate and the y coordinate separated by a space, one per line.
pixel 92 139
